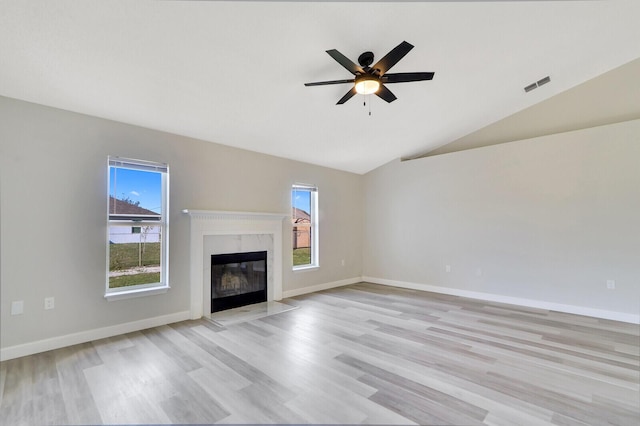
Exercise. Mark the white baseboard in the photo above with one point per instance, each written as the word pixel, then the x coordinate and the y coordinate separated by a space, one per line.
pixel 44 345
pixel 530 303
pixel 320 287
pixel 89 335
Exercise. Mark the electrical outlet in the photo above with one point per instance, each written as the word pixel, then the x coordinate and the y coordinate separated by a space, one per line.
pixel 447 268
pixel 17 307
pixel 478 272
pixel 342 263
pixel 611 284
pixel 49 303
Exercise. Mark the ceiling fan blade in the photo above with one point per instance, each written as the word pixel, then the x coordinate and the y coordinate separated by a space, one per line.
pixel 404 77
pixel 323 83
pixel 386 94
pixel 350 94
pixel 345 62
pixel 392 58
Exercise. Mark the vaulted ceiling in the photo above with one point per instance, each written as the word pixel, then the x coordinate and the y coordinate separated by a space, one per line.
pixel 233 72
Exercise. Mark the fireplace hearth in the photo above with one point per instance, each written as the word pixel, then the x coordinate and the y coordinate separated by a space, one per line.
pixel 238 279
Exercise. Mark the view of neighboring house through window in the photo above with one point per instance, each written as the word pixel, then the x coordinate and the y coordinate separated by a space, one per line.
pixel 137 225
pixel 304 202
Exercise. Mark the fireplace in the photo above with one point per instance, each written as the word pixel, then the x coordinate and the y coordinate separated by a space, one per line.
pixel 238 279
pixel 217 232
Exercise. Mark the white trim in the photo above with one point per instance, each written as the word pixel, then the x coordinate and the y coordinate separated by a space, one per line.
pixel 304 187
pixel 44 345
pixel 153 289
pixel 134 164
pixel 89 335
pixel 531 303
pixel 230 215
pixel 314 229
pixel 305 268
pixel 320 287
pixel 214 222
pixel 163 223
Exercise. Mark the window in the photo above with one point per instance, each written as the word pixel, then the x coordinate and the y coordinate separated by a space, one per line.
pixel 137 253
pixel 304 220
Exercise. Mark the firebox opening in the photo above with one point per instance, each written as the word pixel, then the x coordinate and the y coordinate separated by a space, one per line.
pixel 238 279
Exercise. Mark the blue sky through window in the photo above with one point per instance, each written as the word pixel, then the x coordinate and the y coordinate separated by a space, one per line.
pixel 137 185
pixel 301 199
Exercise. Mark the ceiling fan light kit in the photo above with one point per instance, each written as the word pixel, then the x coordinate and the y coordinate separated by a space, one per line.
pixel 367 85
pixel 372 79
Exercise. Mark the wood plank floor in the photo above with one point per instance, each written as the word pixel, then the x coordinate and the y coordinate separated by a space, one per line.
pixel 357 354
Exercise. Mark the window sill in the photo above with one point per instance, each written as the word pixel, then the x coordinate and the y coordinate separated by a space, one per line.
pixel 306 268
pixel 140 292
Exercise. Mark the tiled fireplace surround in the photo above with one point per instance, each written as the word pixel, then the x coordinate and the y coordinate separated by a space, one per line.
pixel 219 232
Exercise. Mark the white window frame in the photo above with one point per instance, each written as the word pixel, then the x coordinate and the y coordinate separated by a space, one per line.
pixel 163 223
pixel 315 236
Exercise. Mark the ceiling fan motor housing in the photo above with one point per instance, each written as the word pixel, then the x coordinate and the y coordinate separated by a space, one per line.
pixel 366 59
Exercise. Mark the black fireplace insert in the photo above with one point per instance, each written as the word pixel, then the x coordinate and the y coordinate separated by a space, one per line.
pixel 238 279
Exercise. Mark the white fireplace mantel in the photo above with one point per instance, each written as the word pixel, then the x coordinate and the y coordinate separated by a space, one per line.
pixel 205 223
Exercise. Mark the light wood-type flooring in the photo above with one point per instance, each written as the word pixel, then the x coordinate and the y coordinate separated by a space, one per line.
pixel 357 354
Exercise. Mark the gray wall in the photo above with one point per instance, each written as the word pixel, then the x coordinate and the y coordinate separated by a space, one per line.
pixel 53 171
pixel 548 219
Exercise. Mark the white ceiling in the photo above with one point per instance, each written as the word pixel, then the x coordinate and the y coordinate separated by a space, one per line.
pixel 233 72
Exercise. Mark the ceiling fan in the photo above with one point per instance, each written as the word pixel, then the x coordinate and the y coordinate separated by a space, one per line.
pixel 372 79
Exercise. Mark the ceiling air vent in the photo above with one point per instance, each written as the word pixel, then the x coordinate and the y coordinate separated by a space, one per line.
pixel 537 84
pixel 544 81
